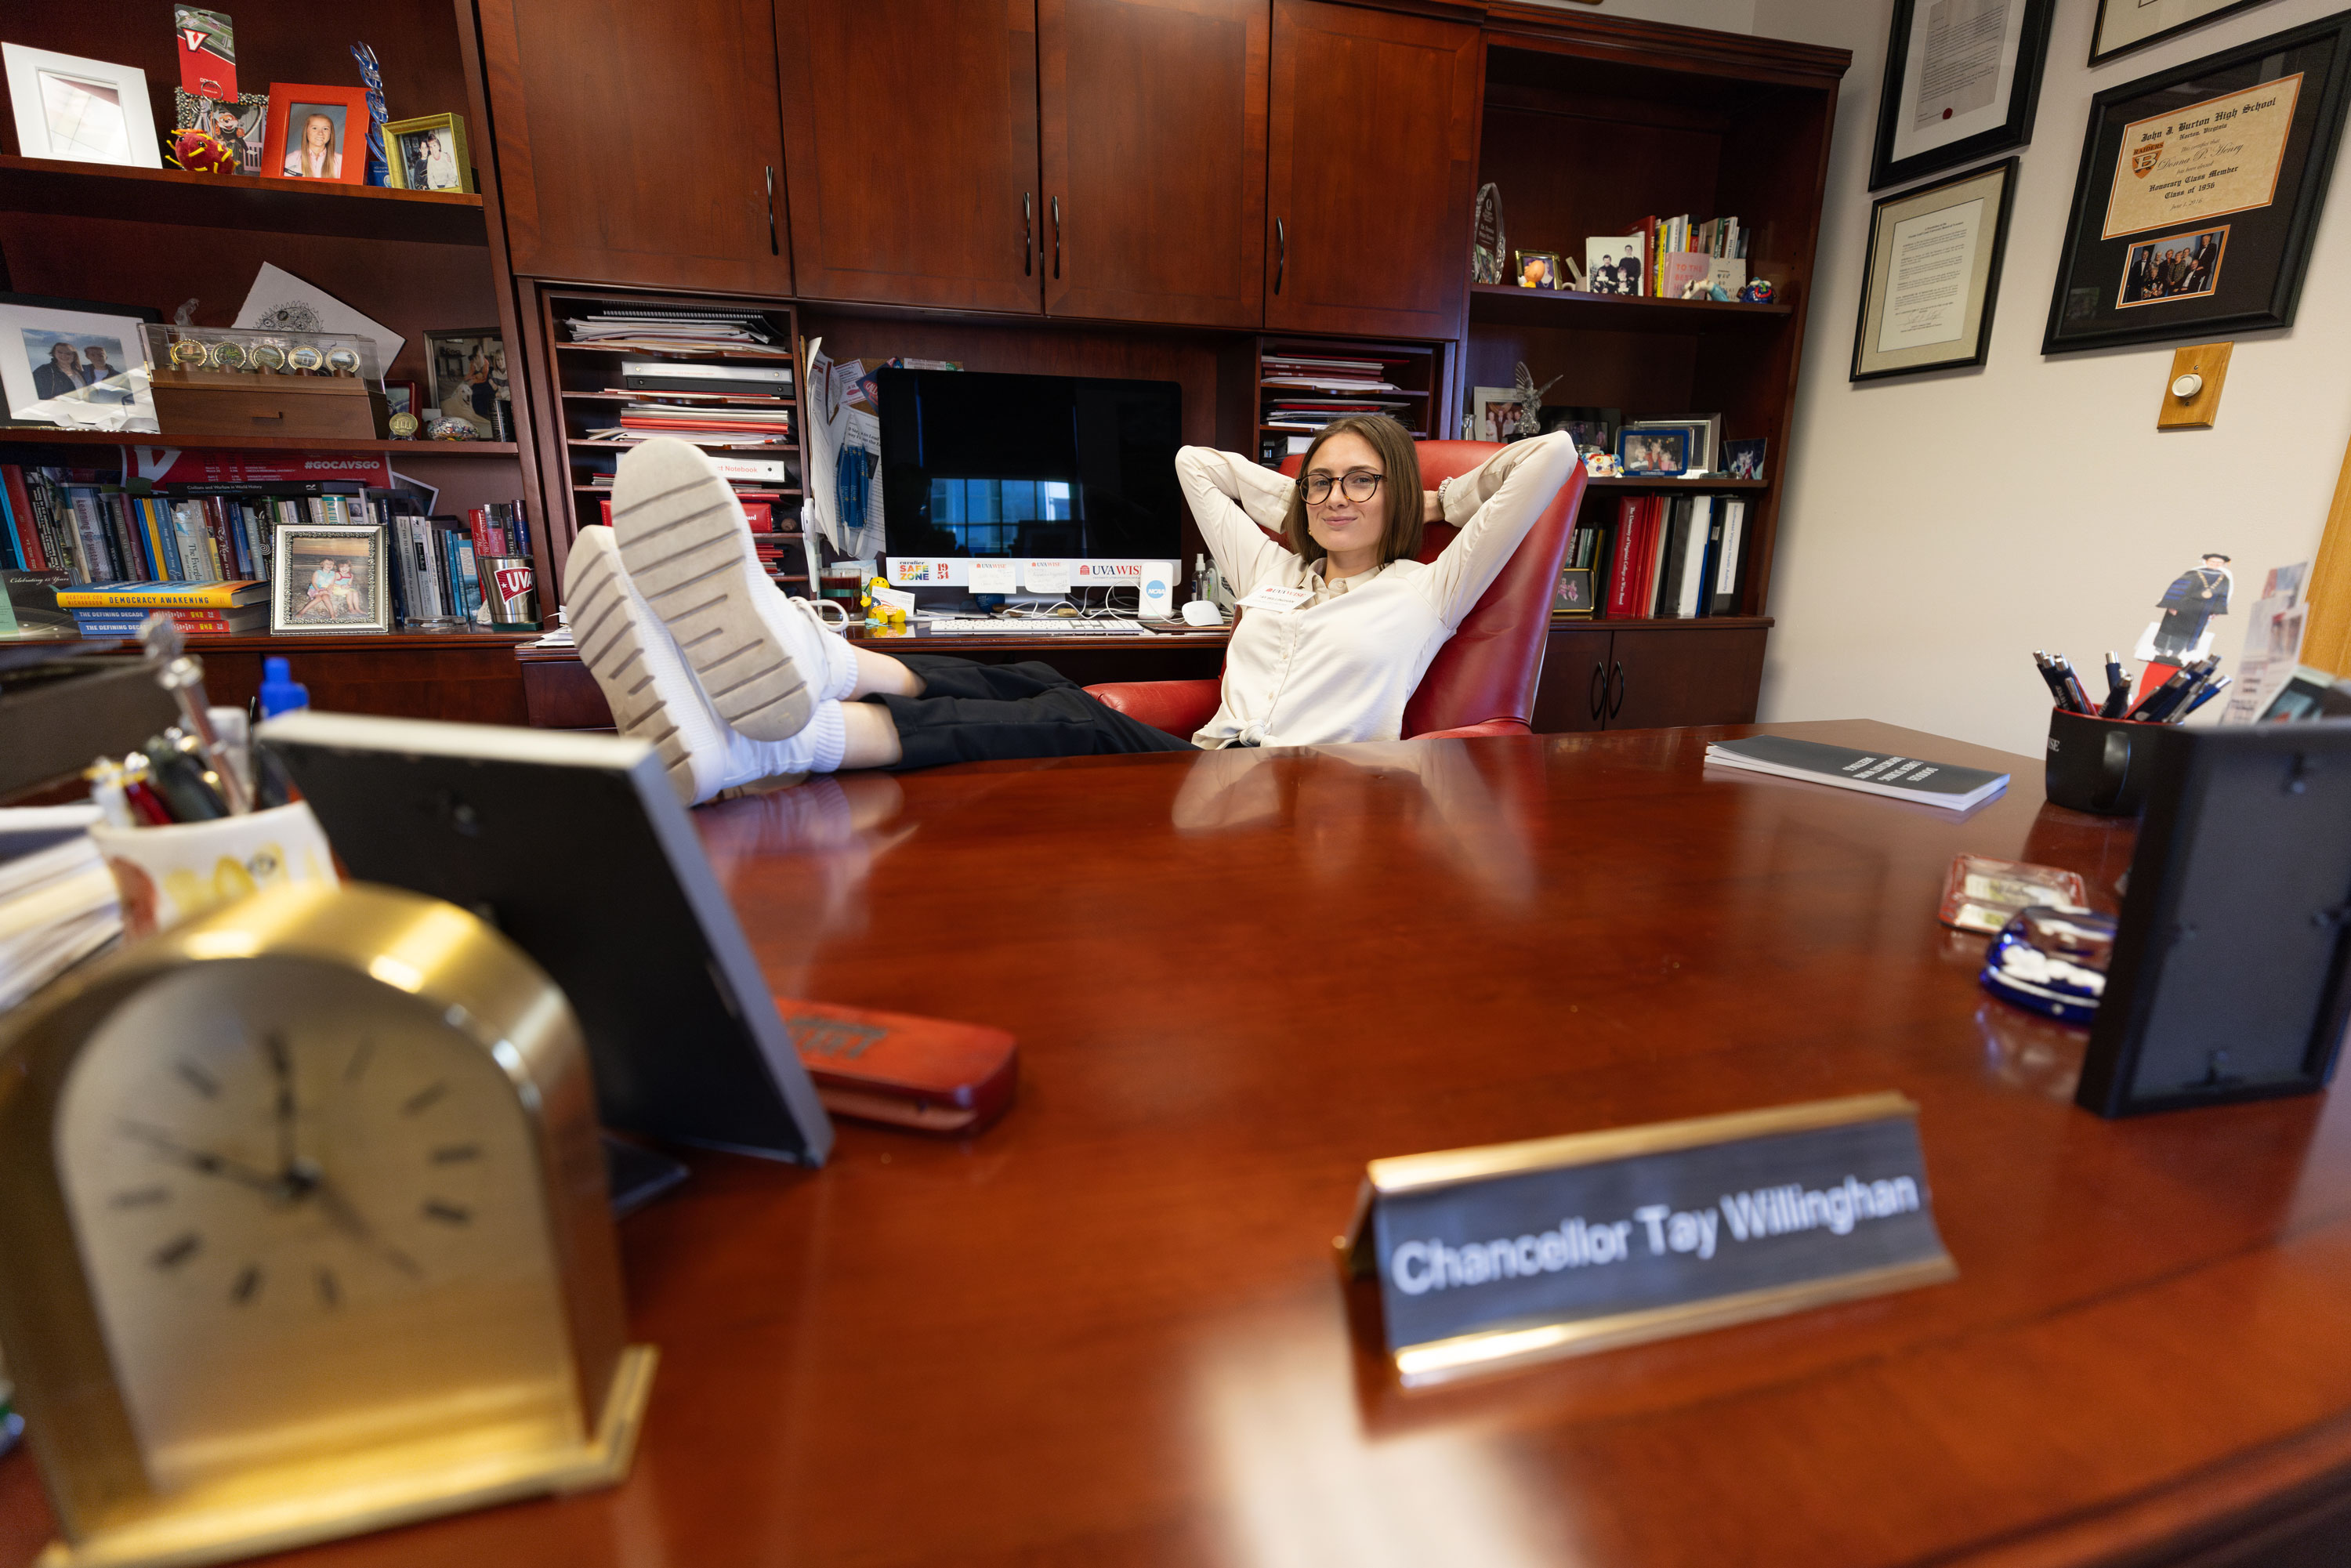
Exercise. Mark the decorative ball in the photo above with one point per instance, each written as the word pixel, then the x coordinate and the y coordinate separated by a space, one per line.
pixel 1757 292
pixel 202 152
pixel 454 429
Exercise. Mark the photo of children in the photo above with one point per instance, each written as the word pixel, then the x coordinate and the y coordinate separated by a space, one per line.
pixel 329 580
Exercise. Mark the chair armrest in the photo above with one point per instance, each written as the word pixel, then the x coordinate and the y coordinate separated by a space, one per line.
pixel 1467 731
pixel 1180 707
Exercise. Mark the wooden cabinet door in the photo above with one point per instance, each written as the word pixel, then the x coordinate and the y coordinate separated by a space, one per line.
pixel 1153 115
pixel 1666 677
pixel 1370 171
pixel 910 136
pixel 1575 691
pixel 639 143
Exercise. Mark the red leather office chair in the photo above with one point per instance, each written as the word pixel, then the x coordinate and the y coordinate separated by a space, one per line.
pixel 1482 682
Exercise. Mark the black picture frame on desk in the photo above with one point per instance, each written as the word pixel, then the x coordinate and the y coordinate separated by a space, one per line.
pixel 1915 54
pixel 1921 228
pixel 2145 153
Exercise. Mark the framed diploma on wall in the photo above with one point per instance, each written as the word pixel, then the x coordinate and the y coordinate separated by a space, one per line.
pixel 2200 191
pixel 1962 79
pixel 1933 275
pixel 2126 24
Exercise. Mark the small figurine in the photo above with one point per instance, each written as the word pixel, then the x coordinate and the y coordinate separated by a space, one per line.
pixel 202 152
pixel 379 172
pixel 1602 465
pixel 1757 292
pixel 1719 294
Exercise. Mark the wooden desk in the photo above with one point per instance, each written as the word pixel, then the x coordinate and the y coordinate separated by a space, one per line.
pixel 1109 1330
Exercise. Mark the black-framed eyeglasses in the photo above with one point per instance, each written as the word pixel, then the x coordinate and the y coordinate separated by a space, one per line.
pixel 1358 487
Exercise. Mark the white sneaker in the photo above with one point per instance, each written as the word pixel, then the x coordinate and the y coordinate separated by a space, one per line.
pixel 654 695
pixel 763 658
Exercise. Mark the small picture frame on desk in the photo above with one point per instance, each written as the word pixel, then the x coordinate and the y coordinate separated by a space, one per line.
pixel 329 578
pixel 1656 452
pixel 1572 597
pixel 429 153
pixel 317 134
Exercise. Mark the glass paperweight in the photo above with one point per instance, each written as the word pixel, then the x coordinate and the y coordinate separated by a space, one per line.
pixel 1980 894
pixel 2052 962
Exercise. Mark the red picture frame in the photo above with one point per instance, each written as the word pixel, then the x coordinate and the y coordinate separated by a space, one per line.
pixel 345 110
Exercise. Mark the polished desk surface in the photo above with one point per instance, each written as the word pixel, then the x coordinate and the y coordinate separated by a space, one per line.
pixel 1110 1330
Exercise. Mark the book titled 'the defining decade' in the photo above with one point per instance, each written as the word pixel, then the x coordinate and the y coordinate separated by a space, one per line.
pixel 1944 784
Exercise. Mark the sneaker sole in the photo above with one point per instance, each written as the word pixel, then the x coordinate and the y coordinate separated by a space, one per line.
pixel 689 554
pixel 609 646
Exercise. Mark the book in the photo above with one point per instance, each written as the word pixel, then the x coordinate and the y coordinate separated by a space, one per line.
pixel 233 594
pixel 208 623
pixel 1943 784
pixel 1727 559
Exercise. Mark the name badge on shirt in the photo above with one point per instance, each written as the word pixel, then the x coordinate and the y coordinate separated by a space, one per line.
pixel 1272 596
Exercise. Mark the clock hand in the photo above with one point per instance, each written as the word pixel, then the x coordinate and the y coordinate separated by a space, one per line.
pixel 282 1065
pixel 202 1161
pixel 348 1220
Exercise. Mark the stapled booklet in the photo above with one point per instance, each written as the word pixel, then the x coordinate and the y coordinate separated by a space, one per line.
pixel 1943 784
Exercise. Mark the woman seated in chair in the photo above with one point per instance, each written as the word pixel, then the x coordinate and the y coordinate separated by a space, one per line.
pixel 734 682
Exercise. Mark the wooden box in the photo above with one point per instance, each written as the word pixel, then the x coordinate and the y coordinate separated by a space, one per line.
pixel 234 403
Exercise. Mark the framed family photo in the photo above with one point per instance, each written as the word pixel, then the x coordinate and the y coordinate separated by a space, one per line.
pixel 52 348
pixel 1571 596
pixel 1656 452
pixel 316 133
pixel 1933 275
pixel 429 153
pixel 329 577
pixel 2198 194
pixel 88 111
pixel 1962 78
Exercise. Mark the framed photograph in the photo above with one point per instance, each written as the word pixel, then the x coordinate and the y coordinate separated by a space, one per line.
pixel 1656 452
pixel 1611 265
pixel 2200 191
pixel 1594 429
pixel 1572 598
pixel 1743 459
pixel 53 348
pixel 316 133
pixel 401 398
pixel 1952 92
pixel 329 577
pixel 1493 413
pixel 1539 269
pixel 90 111
pixel 1933 275
pixel 468 371
pixel 242 124
pixel 429 153
pixel 2123 26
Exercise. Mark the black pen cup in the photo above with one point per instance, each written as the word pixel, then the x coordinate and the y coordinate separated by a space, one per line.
pixel 2100 764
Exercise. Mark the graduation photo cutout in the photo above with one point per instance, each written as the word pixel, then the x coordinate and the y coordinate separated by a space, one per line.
pixel 2181 631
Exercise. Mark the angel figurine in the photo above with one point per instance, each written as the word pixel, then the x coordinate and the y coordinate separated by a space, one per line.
pixel 1529 402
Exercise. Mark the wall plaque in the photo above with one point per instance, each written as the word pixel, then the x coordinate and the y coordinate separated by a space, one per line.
pixel 1489 1257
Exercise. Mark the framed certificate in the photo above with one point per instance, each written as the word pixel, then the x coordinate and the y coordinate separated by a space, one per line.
pixel 2198 192
pixel 1933 276
pixel 1962 79
pixel 2126 24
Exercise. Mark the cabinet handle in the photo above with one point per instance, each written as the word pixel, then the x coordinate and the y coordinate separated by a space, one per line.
pixel 773 247
pixel 1617 705
pixel 1599 696
pixel 1057 240
pixel 1028 238
pixel 1280 255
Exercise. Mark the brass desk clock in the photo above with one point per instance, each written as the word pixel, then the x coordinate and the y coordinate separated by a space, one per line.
pixel 304 1217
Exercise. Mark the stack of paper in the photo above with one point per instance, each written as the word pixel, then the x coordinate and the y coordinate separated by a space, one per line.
pixel 739 333
pixel 58 902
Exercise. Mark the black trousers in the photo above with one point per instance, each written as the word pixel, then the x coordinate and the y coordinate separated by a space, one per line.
pixel 971 712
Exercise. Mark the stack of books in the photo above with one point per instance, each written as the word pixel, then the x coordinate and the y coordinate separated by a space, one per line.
pixel 58 901
pixel 1687 258
pixel 1308 391
pixel 725 426
pixel 1670 556
pixel 746 334
pixel 227 608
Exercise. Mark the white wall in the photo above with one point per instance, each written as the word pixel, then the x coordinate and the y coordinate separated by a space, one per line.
pixel 1722 16
pixel 1936 529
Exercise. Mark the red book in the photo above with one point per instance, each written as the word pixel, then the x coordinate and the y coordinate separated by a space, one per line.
pixel 909 1071
pixel 20 507
pixel 1654 544
pixel 477 524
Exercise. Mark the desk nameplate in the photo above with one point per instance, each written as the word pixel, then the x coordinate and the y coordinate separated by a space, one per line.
pixel 1490 1256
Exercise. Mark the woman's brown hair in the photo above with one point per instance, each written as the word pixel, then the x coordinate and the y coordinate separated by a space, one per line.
pixel 1399 460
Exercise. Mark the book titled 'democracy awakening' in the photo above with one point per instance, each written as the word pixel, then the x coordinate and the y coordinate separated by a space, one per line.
pixel 1944 784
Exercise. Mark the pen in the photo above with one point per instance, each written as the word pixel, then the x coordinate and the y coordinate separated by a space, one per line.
pixel 2075 696
pixel 2167 697
pixel 145 804
pixel 179 782
pixel 2206 695
pixel 2117 688
pixel 2042 662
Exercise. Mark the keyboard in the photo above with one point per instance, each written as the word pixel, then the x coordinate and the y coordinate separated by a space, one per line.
pixel 993 626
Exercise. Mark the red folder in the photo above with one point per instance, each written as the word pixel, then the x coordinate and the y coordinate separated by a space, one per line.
pixel 932 1074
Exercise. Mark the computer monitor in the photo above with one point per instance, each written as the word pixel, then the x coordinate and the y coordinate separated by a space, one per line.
pixel 1075 475
pixel 575 848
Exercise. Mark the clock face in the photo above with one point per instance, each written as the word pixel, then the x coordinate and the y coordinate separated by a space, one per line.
pixel 310 1214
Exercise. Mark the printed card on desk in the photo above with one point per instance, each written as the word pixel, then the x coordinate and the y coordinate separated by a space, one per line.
pixel 995 577
pixel 1490 1257
pixel 1046 576
pixel 1943 784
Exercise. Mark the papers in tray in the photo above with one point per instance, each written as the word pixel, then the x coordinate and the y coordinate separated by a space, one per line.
pixel 1943 784
pixel 57 900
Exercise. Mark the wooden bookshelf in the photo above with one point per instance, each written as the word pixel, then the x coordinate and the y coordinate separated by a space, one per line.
pixel 1501 304
pixel 238 202
pixel 1418 370
pixel 44 435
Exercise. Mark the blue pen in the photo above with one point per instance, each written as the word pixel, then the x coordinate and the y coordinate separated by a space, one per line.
pixel 2206 695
